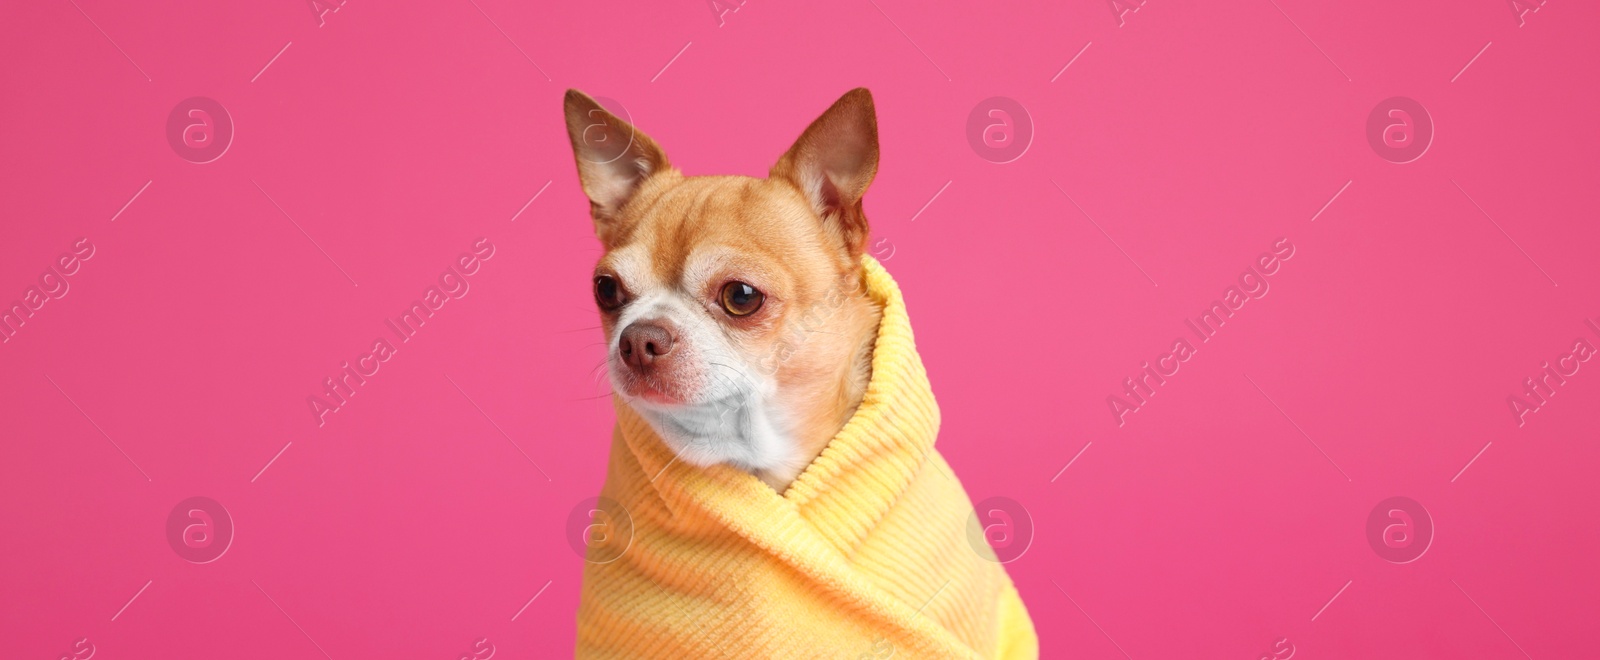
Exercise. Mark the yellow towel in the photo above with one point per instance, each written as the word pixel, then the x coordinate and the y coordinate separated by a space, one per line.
pixel 867 555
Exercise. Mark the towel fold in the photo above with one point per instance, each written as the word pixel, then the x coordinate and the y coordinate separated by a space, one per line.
pixel 866 555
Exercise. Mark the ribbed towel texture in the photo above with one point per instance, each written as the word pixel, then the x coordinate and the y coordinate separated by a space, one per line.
pixel 867 555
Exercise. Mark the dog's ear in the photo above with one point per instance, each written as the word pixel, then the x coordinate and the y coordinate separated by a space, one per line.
pixel 833 162
pixel 613 157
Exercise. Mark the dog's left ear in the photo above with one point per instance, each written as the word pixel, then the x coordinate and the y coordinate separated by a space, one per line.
pixel 613 157
pixel 833 162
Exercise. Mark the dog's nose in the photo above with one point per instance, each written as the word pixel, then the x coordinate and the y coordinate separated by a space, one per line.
pixel 643 343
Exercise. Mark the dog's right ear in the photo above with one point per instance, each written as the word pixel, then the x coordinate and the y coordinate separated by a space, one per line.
pixel 613 157
pixel 832 164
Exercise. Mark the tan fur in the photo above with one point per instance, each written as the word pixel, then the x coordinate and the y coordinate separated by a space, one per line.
pixel 796 235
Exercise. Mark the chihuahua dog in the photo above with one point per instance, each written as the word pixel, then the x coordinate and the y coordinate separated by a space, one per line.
pixel 735 320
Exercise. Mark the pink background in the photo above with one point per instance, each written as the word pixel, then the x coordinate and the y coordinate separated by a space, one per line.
pixel 1208 525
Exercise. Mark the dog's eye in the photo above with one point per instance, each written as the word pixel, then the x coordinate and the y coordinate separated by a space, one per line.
pixel 741 299
pixel 607 292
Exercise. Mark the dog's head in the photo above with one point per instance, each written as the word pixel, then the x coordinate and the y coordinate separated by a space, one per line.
pixel 730 304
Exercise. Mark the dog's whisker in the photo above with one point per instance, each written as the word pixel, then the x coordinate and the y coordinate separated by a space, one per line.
pixel 737 385
pixel 736 370
pixel 732 384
